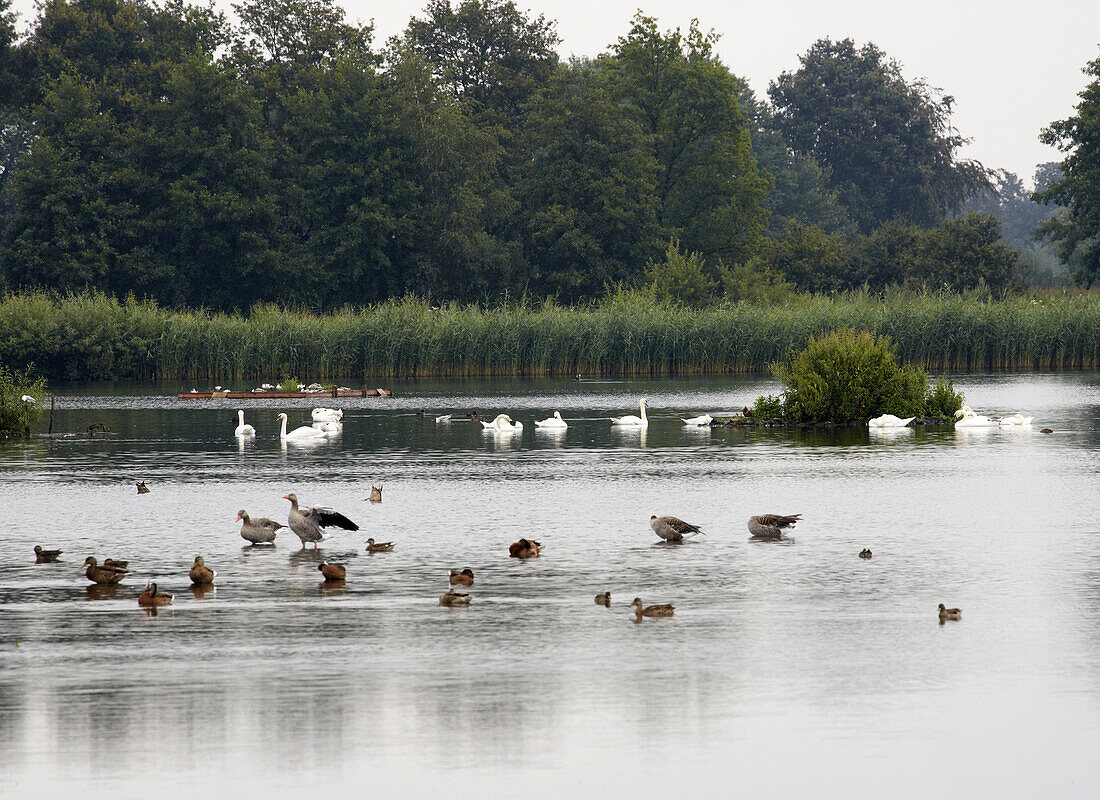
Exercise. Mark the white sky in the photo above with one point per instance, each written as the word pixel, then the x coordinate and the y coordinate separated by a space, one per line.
pixel 1013 67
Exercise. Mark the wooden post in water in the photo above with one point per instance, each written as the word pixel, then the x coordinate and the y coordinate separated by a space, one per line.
pixel 52 398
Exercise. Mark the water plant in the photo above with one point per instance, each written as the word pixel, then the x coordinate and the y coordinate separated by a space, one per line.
pixel 16 413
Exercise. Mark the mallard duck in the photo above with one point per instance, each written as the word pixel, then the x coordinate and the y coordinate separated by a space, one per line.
pixel 200 573
pixel 104 574
pixel 142 488
pixel 375 494
pixel 379 547
pixel 110 562
pixel 453 598
pixel 673 529
pixel 664 610
pixel 307 522
pixel 770 526
pixel 524 548
pixel 151 597
pixel 1046 430
pixel 258 531
pixel 45 556
pixel 332 572
pixel 604 599
pixel 950 613
pixel 464 578
pixel 865 552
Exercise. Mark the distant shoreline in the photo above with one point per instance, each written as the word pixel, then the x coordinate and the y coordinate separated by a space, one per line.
pixel 96 337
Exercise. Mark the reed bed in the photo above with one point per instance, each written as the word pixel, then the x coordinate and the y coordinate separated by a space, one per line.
pixel 93 336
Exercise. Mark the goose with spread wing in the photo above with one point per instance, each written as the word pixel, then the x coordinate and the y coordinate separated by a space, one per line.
pixel 308 522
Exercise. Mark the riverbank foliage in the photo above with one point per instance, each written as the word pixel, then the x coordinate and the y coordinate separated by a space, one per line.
pixel 16 414
pixel 160 149
pixel 94 336
pixel 850 376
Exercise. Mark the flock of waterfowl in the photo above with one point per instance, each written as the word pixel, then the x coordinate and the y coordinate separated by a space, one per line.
pixel 308 523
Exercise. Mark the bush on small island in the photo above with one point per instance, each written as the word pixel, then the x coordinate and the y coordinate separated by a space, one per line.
pixel 16 414
pixel 852 376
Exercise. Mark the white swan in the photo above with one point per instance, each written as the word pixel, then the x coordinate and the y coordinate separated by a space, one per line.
pixel 1016 420
pixel 630 419
pixel 502 422
pixel 705 419
pixel 331 428
pixel 242 429
pixel 443 420
pixel 328 414
pixel 306 433
pixel 966 418
pixel 552 422
pixel 889 421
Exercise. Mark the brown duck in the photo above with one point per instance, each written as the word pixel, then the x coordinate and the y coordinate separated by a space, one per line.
pixel 45 556
pixel 375 494
pixel 453 598
pixel 949 613
pixel 771 526
pixel 142 488
pixel 332 572
pixel 104 574
pixel 524 548
pixel 865 552
pixel 664 610
pixel 463 578
pixel 379 547
pixel 200 573
pixel 604 599
pixel 151 597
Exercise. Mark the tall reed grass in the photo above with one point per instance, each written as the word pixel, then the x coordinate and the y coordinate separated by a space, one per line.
pixel 92 336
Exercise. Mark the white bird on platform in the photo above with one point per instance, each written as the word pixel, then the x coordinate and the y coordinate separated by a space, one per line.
pixel 889 421
pixel 242 429
pixel 637 422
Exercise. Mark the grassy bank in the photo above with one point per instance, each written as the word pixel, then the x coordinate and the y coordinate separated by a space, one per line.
pixel 92 336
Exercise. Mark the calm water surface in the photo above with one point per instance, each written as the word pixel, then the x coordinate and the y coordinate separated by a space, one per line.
pixel 791 669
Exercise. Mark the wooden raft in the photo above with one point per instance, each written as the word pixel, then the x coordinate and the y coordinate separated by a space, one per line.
pixel 227 395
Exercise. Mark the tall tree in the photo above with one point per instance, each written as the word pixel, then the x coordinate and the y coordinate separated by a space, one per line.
pixel 1075 231
pixel 587 187
pixel 888 143
pixel 486 52
pixel 708 189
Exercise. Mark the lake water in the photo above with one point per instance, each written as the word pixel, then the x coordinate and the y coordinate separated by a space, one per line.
pixel 790 669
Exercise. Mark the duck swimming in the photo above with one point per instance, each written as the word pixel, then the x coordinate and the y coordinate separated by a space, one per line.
pixel 453 598
pixel 524 548
pixel 664 610
pixel 949 614
pixel 332 572
pixel 631 420
pixel 200 573
pixel 104 574
pixel 604 599
pixel 463 578
pixel 45 556
pixel 379 547
pixel 865 553
pixel 552 422
pixel 151 597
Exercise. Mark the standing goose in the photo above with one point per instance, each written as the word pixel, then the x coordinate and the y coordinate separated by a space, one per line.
pixel 638 422
pixel 104 574
pixel 258 531
pixel 673 529
pixel 45 556
pixel 770 526
pixel 307 523
pixel 305 433
pixel 242 429
pixel 200 573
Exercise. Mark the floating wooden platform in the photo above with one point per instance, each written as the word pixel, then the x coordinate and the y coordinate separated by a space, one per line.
pixel 364 392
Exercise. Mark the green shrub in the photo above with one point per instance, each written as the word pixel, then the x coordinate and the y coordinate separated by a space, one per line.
pixel 942 400
pixel 15 414
pixel 846 376
pixel 680 278
pixel 291 385
pixel 767 407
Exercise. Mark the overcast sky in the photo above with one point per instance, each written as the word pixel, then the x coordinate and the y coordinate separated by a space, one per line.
pixel 1013 67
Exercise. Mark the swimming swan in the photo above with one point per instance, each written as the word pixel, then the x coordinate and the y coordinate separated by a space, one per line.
pixel 889 421
pixel 705 419
pixel 305 433
pixel 328 414
pixel 242 429
pixel 1016 420
pixel 502 423
pixel 552 422
pixel 630 419
pixel 966 418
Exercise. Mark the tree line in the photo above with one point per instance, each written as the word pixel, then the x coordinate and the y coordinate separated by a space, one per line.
pixel 288 157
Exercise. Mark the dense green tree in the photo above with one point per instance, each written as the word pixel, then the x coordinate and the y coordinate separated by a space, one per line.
pixel 809 258
pixel 587 187
pixel 800 187
pixel 488 53
pixel 888 143
pixel 1075 231
pixel 709 190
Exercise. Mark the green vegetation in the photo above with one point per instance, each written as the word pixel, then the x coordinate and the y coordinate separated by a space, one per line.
pixel 16 414
pixel 87 336
pixel 849 376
